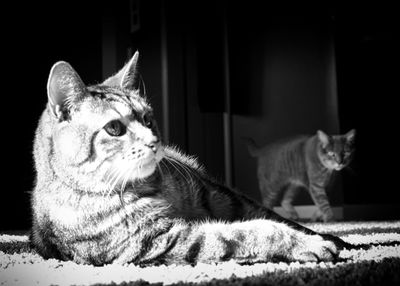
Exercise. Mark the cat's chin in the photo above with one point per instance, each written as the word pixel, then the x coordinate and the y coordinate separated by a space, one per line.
pixel 146 169
pixel 338 168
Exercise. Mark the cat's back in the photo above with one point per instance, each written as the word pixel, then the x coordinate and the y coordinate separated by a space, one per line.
pixel 283 147
pixel 285 156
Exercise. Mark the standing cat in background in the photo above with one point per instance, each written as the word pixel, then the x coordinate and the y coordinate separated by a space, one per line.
pixel 108 191
pixel 302 162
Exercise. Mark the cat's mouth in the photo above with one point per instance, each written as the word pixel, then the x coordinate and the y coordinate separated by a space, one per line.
pixel 147 166
pixel 148 163
pixel 339 167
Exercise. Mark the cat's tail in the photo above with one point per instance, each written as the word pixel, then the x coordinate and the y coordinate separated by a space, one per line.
pixel 251 146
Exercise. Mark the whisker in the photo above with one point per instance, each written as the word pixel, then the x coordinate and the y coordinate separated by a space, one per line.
pixel 114 171
pixel 173 165
pixel 165 165
pixel 184 167
pixel 160 171
pixel 188 169
pixel 126 177
pixel 180 166
pixel 116 179
pixel 111 177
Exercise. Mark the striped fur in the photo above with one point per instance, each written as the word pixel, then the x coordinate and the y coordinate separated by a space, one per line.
pixel 101 198
pixel 307 162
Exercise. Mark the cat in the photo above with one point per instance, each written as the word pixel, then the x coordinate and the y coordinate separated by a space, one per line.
pixel 307 162
pixel 109 191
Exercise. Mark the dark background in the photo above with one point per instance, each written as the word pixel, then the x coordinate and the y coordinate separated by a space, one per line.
pixel 275 70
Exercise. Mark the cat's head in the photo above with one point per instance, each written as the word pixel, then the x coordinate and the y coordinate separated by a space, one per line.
pixel 336 151
pixel 103 136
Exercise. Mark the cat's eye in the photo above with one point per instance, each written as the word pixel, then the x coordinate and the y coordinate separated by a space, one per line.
pixel 147 120
pixel 115 128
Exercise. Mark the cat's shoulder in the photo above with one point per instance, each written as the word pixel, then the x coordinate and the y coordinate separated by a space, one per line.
pixel 174 153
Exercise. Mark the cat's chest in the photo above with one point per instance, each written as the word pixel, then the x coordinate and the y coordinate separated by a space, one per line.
pixel 77 212
pixel 319 174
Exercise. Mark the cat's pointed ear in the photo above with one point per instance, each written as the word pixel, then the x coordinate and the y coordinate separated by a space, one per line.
pixel 128 76
pixel 351 135
pixel 63 86
pixel 323 138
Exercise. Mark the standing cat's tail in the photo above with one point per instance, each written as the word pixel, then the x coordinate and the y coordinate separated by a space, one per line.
pixel 251 146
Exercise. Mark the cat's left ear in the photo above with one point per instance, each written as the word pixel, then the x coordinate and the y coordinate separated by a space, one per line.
pixel 128 76
pixel 323 138
pixel 351 135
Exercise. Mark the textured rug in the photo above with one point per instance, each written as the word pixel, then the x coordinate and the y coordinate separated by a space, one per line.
pixel 377 265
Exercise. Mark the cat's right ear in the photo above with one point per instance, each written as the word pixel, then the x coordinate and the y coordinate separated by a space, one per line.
pixel 323 138
pixel 63 86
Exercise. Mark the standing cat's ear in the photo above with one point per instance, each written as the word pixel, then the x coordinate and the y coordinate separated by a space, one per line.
pixel 323 138
pixel 127 77
pixel 63 86
pixel 351 135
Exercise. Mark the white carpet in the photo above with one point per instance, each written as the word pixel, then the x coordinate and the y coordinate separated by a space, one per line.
pixel 20 266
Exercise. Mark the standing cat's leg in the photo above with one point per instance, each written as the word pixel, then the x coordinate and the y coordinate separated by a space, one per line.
pixel 321 200
pixel 287 201
pixel 317 215
pixel 269 195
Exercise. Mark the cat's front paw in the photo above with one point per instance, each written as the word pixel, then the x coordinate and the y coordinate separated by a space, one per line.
pixel 322 217
pixel 340 243
pixel 314 248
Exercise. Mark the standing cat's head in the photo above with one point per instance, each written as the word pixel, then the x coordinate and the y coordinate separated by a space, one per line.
pixel 336 151
pixel 96 137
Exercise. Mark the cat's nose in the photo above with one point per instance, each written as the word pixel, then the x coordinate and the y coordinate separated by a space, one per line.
pixel 153 145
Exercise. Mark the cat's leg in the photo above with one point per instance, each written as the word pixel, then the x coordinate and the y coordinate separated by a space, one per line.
pixel 176 241
pixel 269 194
pixel 317 216
pixel 245 208
pixel 287 201
pixel 321 200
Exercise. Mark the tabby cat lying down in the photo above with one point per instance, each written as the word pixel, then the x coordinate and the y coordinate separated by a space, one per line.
pixel 108 191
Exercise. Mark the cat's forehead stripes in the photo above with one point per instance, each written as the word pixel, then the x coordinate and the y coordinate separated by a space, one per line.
pixel 130 99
